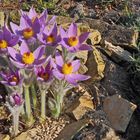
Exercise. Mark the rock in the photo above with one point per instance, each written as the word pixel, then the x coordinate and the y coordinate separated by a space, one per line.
pixel 62 19
pixel 1 19
pixel 95 65
pixel 116 80
pixel 83 28
pixel 14 16
pixel 112 16
pixel 83 69
pixel 82 55
pixel 94 37
pixel 91 13
pixel 133 131
pixel 72 129
pixel 23 136
pixel 7 137
pixel 3 112
pixel 98 129
pixel 117 35
pixel 78 11
pixel 2 136
pixel 119 111
pixel 116 53
pixel 80 106
pixel 86 101
pixel 111 135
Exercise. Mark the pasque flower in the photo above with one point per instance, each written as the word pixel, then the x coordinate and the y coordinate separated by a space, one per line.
pixel 43 17
pixel 50 37
pixel 11 78
pixel 71 41
pixel 15 99
pixel 7 39
pixel 68 70
pixel 15 104
pixel 44 74
pixel 25 30
pixel 25 58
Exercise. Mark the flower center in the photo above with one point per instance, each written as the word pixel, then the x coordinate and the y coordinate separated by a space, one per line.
pixel 28 33
pixel 14 79
pixel 44 76
pixel 3 44
pixel 50 39
pixel 28 58
pixel 72 41
pixel 67 68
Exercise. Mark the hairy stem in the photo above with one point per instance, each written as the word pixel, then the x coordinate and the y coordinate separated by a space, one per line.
pixel 59 101
pixel 15 123
pixel 43 104
pixel 27 103
pixel 34 97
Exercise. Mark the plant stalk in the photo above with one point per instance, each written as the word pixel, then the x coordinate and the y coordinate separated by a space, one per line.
pixel 34 97
pixel 43 104
pixel 28 104
pixel 15 123
pixel 59 101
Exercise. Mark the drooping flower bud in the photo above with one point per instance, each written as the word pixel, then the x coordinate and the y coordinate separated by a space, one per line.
pixel 15 99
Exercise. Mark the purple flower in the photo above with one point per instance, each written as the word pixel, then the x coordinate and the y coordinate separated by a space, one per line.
pixel 25 30
pixel 68 70
pixel 25 58
pixel 44 74
pixel 43 17
pixel 7 39
pixel 71 40
pixel 51 37
pixel 15 99
pixel 11 78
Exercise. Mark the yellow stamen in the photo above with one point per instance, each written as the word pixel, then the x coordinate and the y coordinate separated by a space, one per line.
pixel 28 33
pixel 67 68
pixel 28 58
pixel 50 39
pixel 72 41
pixel 33 19
pixel 3 44
pixel 44 76
pixel 14 79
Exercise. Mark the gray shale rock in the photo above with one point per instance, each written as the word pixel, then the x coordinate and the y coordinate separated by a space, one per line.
pixel 116 80
pixel 78 11
pixel 116 53
pixel 111 16
pixel 117 35
pixel 119 111
pixel 99 130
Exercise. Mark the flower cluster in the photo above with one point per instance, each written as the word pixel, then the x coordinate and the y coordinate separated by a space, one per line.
pixel 30 65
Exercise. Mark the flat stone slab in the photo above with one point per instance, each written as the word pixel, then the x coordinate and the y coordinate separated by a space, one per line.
pixel 81 106
pixel 118 111
pixel 117 35
pixel 95 65
pixel 117 54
